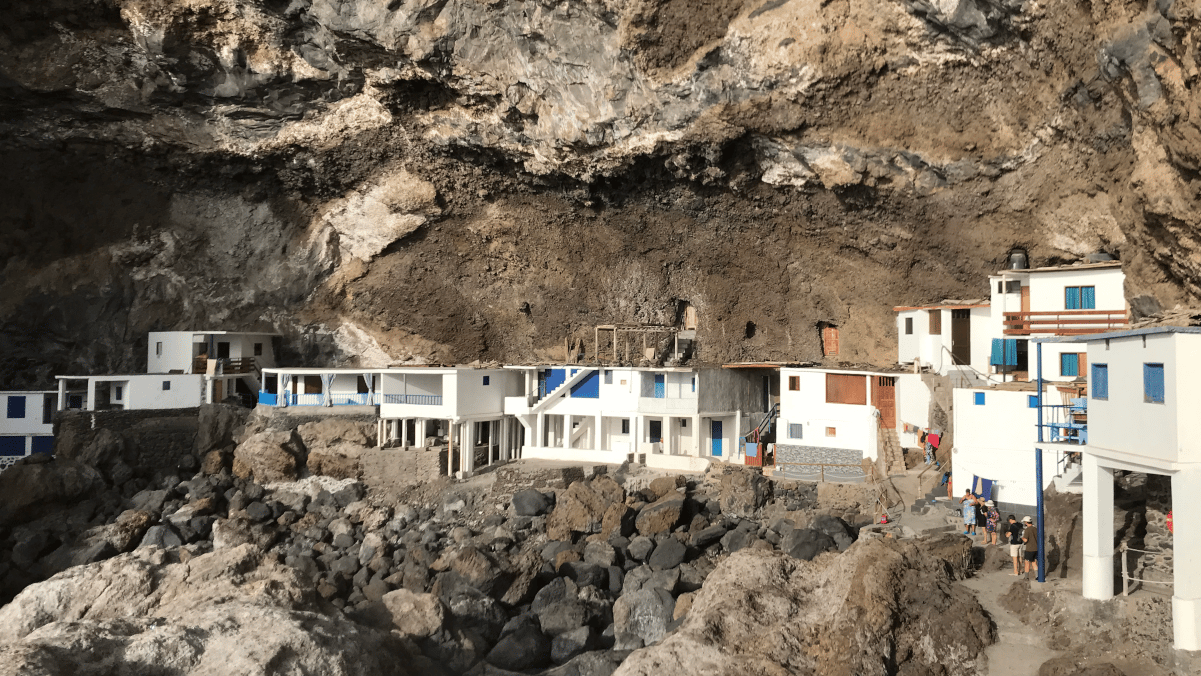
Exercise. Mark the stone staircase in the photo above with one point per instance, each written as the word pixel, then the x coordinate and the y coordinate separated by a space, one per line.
pixel 888 445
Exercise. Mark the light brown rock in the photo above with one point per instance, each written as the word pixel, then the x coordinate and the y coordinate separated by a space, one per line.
pixel 581 508
pixel 413 614
pixel 269 456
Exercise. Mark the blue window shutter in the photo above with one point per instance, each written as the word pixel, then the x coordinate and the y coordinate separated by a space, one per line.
pixel 660 386
pixel 794 431
pixel 16 407
pixel 1032 401
pixel 998 352
pixel 1011 352
pixel 1069 364
pixel 979 398
pixel 1088 298
pixel 1071 298
pixel 12 446
pixel 1100 381
pixel 1153 386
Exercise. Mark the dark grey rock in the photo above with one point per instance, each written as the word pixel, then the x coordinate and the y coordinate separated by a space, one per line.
pixel 600 554
pixel 595 663
pixel 806 543
pixel 586 574
pixel 552 549
pixel 525 648
pixel 616 580
pixel 736 540
pixel 472 610
pixel 150 501
pixel 836 528
pixel 668 554
pixel 343 540
pixel 571 643
pixel 563 616
pixel 641 618
pixel 641 547
pixel 555 591
pixel 708 536
pixel 258 511
pixel 161 536
pixel 666 580
pixel 530 502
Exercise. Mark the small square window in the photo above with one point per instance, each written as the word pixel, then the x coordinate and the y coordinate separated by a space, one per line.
pixel 258 349
pixel 623 382
pixel 487 380
pixel 1032 401
pixel 909 326
pixel 794 431
pixel 117 392
pixel 979 398
pixel 166 385
pixel 625 424
pixel 1153 383
pixel 794 383
pixel 831 432
pixel 694 383
pixel 16 407
pixel 608 377
pixel 683 423
pixel 158 349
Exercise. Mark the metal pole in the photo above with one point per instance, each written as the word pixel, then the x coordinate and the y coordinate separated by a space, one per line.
pixel 1038 474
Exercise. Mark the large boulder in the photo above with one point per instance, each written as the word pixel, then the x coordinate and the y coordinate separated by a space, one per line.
pixel 660 516
pixel 234 611
pixel 524 648
pixel 530 502
pixel 806 543
pixel 581 508
pixel 336 445
pixel 836 528
pixel 641 617
pixel 870 610
pixel 269 456
pixel 30 488
pixel 217 425
pixel 414 615
pixel 743 491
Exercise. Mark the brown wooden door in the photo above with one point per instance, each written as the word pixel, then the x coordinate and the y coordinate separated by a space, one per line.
pixel 884 398
pixel 1025 304
pixel 961 336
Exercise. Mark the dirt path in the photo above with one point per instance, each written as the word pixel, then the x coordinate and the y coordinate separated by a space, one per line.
pixel 1020 649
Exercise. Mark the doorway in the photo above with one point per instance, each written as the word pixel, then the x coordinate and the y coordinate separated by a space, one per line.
pixel 715 430
pixel 961 336
pixel 884 396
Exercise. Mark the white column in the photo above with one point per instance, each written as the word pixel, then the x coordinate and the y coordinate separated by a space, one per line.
pixel 62 395
pixel 540 438
pixel 669 444
pixel 696 435
pixel 598 433
pixel 1186 583
pixel 636 434
pixel 1098 529
pixel 567 430
pixel 379 433
pixel 91 395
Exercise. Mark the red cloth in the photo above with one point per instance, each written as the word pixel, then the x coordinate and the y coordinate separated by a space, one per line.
pixel 933 439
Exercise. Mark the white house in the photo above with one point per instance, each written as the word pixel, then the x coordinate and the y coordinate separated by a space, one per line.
pixel 461 406
pixel 832 419
pixel 672 418
pixel 1142 403
pixel 137 391
pixel 27 425
pixel 989 340
pixel 995 434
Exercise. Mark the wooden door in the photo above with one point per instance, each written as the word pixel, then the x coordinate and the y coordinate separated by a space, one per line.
pixel 961 336
pixel 1025 304
pixel 884 397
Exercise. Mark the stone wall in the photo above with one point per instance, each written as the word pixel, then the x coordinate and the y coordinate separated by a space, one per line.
pixel 154 440
pixel 396 470
pixel 798 462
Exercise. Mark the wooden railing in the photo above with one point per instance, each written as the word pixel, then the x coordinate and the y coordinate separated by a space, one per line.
pixel 228 366
pixel 1064 322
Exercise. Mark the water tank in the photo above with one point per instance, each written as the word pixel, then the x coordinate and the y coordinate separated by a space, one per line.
pixel 1018 259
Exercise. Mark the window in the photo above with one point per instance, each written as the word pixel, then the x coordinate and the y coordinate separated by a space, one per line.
pixel 16 407
pixel 117 392
pixel 935 322
pixel 794 431
pixel 909 326
pixel 1099 381
pixel 1013 287
pixel 831 431
pixel 979 397
pixel 660 386
pixel 1153 390
pixel 166 385
pixel 794 383
pixel 158 349
pixel 846 389
pixel 1080 298
pixel 487 381
pixel 656 431
pixel 829 341
pixel 258 349
pixel 683 423
pixel 694 383
pixel 1000 287
pixel 1032 401
pixel 608 377
pixel 625 426
pixel 49 401
pixel 1069 364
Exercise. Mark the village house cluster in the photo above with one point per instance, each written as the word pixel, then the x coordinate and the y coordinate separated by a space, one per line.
pixel 1044 372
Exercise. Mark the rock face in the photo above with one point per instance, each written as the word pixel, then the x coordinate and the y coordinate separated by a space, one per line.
pixel 375 176
pixel 875 612
pixel 233 611
pixel 269 456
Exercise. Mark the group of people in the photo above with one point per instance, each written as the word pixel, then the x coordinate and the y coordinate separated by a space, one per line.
pixel 1022 538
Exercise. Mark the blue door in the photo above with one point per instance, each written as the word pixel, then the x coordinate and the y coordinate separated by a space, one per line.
pixel 717 440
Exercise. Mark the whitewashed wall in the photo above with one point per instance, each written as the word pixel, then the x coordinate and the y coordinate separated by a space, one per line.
pixel 1125 422
pixel 996 441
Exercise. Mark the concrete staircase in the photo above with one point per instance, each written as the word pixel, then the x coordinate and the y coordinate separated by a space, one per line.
pixel 888 445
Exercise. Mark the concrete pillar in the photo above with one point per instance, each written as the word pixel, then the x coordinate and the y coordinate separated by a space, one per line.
pixel 540 436
pixel 62 395
pixel 91 395
pixel 567 431
pixel 669 446
pixel 1186 540
pixel 1098 529
pixel 637 434
pixel 598 433
pixel 696 436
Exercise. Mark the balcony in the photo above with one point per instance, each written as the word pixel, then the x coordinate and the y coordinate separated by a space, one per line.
pixel 1064 322
pixel 414 399
pixel 226 366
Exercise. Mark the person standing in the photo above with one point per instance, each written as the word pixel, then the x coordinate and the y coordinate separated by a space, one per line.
pixel 992 521
pixel 1030 537
pixel 1014 534
pixel 968 507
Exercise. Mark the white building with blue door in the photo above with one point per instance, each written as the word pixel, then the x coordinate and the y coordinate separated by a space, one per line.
pixel 1142 416
pixel 671 418
pixel 832 419
pixel 977 342
pixel 418 407
pixel 28 424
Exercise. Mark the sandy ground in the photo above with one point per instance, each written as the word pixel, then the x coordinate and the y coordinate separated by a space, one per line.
pixel 1020 649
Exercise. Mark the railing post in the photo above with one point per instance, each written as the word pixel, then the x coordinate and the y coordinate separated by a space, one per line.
pixel 1125 574
pixel 1038 473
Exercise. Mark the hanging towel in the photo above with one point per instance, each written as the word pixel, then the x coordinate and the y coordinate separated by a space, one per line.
pixel 997 357
pixel 933 439
pixel 983 487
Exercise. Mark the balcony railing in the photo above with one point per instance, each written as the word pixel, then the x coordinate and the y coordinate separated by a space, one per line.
pixel 1066 424
pixel 415 399
pixel 226 366
pixel 1064 322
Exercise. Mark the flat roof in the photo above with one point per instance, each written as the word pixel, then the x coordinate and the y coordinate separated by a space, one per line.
pixel 384 369
pixel 1150 330
pixel 945 305
pixel 1066 268
pixel 113 376
pixel 224 333
pixel 891 370
pixel 526 367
